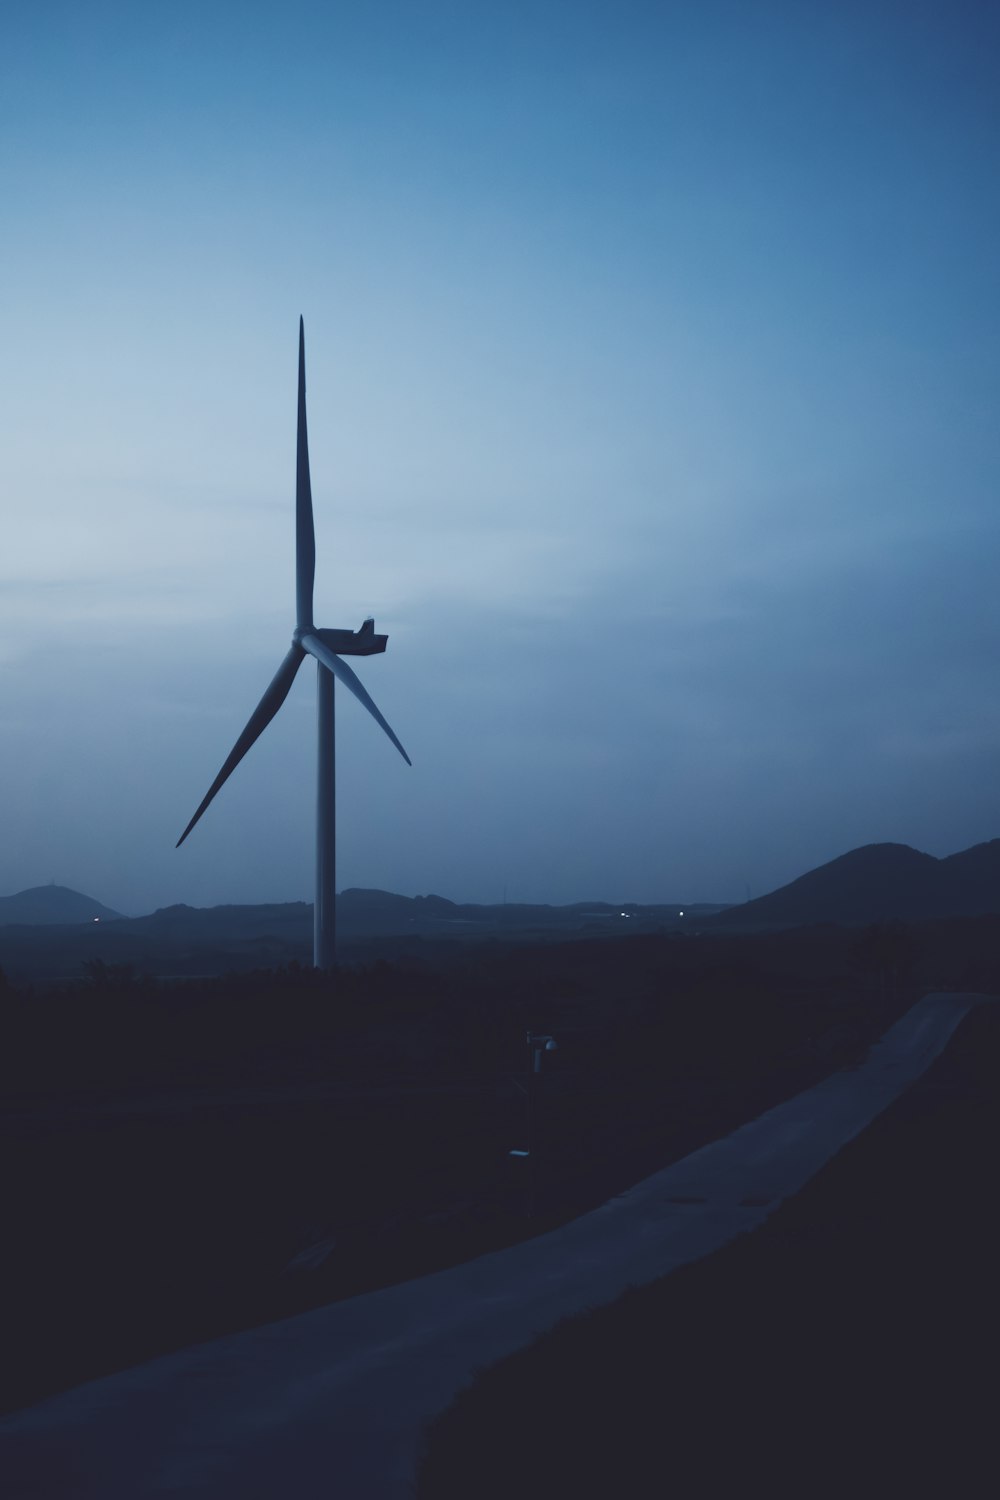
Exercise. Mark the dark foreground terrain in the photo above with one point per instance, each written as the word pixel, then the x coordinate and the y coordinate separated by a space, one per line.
pixel 846 1347
pixel 190 1158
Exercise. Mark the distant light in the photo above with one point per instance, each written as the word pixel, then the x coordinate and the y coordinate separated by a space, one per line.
pixel 680 914
pixel 97 919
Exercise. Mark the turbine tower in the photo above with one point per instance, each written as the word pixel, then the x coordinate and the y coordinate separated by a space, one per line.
pixel 327 647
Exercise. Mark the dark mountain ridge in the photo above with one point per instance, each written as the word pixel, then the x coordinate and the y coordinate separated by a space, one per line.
pixel 876 883
pixel 52 905
pixel 363 912
pixel 880 883
pixel 181 940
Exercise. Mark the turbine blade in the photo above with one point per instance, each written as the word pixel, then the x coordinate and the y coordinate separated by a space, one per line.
pixel 305 536
pixel 321 651
pixel 262 715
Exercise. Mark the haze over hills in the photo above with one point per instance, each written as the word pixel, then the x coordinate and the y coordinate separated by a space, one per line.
pixel 881 883
pixel 876 883
pixel 359 912
pixel 180 940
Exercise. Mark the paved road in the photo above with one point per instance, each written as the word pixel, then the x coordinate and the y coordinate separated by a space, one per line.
pixel 331 1403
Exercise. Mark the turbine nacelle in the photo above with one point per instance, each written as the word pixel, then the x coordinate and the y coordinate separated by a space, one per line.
pixel 363 642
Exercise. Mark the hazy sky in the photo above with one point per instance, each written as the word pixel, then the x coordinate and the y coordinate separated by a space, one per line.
pixel 653 370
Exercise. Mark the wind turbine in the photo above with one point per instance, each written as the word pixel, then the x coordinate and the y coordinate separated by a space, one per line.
pixel 327 646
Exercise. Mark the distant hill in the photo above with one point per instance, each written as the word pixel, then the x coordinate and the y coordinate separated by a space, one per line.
pixel 880 883
pixel 369 912
pixel 52 905
pixel 364 913
pixel 187 940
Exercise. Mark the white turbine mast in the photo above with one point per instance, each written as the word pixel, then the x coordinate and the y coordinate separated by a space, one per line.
pixel 327 646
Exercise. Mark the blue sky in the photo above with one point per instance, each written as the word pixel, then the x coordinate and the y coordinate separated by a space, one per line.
pixel 653 364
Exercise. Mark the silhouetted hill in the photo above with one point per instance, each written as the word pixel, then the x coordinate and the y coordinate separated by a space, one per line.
pixel 190 940
pixel 973 877
pixel 52 905
pixel 365 913
pixel 881 883
pixel 183 923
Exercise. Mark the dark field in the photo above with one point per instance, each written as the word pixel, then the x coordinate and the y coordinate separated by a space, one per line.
pixel 848 1346
pixel 187 1159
